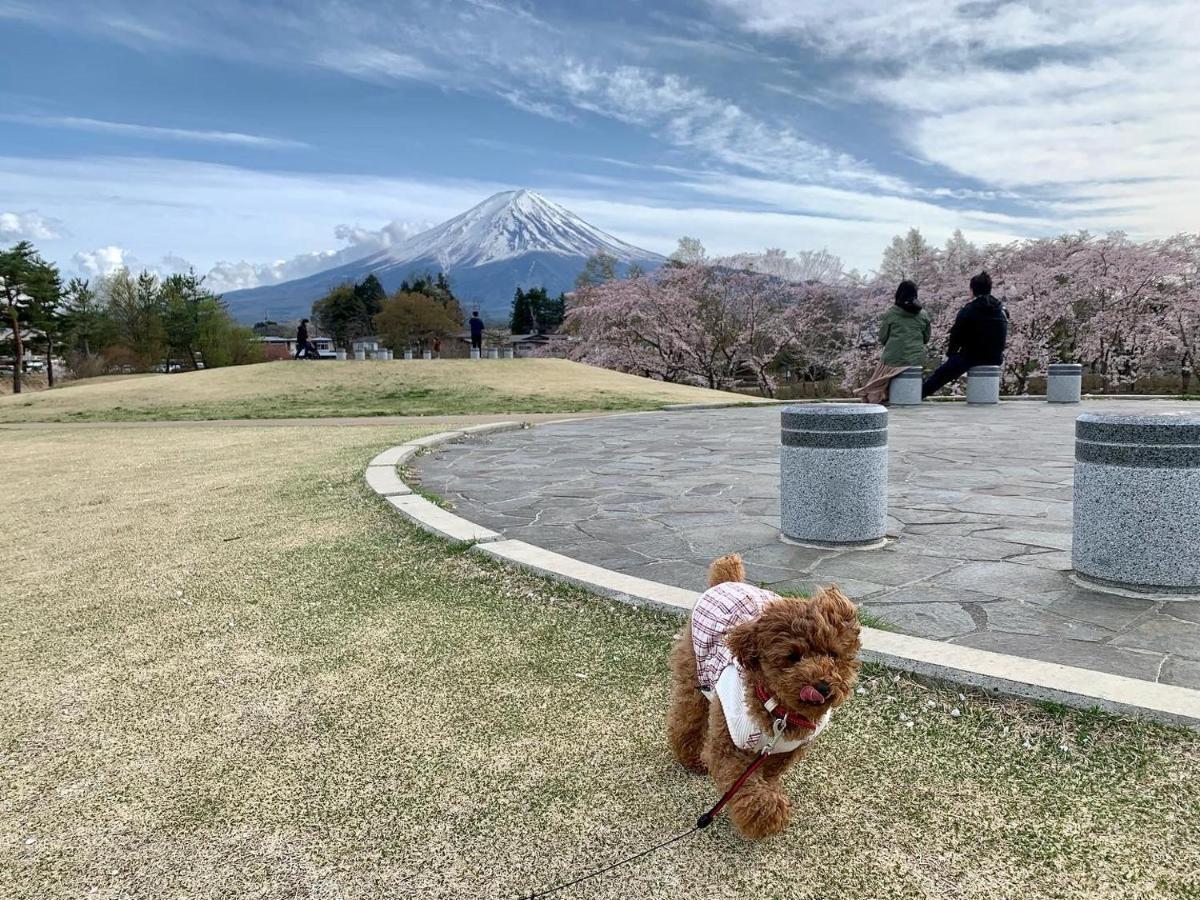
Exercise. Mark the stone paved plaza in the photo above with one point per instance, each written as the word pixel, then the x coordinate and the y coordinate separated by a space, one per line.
pixel 979 508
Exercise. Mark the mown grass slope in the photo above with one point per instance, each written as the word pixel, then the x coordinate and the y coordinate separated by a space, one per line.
pixel 231 671
pixel 311 389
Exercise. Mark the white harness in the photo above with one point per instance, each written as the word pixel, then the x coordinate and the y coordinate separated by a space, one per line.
pixel 746 734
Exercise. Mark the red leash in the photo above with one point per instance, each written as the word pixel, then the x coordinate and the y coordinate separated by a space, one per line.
pixel 705 820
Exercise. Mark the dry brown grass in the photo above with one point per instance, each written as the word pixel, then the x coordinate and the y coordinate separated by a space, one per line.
pixel 289 389
pixel 229 671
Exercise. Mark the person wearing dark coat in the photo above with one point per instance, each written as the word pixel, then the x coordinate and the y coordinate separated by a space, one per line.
pixel 977 338
pixel 302 338
pixel 476 324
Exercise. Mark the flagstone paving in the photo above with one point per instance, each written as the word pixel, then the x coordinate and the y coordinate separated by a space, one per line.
pixel 979 508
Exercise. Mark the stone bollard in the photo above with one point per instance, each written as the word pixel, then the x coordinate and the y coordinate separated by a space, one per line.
pixel 508 353
pixel 360 354
pixel 1137 501
pixel 427 354
pixel 833 474
pixel 983 385
pixel 474 353
pixel 1064 383
pixel 905 388
pixel 493 353
pixel 340 354
pixel 408 354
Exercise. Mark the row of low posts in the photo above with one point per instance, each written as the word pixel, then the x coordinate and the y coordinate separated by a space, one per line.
pixel 388 355
pixel 1136 501
pixel 1064 384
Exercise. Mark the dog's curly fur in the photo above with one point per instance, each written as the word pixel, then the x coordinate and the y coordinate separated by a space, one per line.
pixel 795 642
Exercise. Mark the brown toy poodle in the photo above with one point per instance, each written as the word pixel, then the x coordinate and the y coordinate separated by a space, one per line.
pixel 751 668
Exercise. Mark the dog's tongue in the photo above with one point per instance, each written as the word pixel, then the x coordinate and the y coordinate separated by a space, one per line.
pixel 810 694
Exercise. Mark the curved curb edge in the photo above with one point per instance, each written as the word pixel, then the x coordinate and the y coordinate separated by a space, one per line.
pixel 996 673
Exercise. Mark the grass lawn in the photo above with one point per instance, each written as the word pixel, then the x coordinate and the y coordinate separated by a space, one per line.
pixel 290 389
pixel 231 671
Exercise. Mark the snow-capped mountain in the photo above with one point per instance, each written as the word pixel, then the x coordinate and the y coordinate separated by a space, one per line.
pixel 510 240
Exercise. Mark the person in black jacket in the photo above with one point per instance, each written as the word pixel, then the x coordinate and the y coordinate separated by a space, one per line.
pixel 977 337
pixel 302 338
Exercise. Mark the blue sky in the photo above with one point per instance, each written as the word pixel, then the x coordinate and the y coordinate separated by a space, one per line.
pixel 256 140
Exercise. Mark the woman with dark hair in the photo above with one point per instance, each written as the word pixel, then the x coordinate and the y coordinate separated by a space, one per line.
pixel 904 332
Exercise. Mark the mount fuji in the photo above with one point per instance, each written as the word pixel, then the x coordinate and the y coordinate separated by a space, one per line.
pixel 510 240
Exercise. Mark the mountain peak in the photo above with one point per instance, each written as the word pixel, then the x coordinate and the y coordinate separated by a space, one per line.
pixel 509 224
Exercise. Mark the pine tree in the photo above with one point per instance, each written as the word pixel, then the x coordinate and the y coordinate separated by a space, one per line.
pixel 521 319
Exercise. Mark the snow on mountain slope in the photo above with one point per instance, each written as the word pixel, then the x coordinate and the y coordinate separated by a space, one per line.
pixel 507 225
pixel 512 239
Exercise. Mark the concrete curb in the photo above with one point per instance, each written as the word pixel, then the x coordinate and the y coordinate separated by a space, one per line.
pixel 997 673
pixel 625 588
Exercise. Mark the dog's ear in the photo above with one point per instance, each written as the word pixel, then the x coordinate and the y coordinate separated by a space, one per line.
pixel 743 640
pixel 836 607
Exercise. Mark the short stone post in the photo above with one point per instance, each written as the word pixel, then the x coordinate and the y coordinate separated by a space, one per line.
pixel 508 353
pixel 408 354
pixel 1137 501
pixel 905 388
pixel 983 385
pixel 1064 383
pixel 833 474
pixel 428 354
pixel 474 353
pixel 340 354
pixel 493 353
pixel 360 354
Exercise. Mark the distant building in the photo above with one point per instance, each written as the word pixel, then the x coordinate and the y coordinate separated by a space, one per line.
pixel 555 344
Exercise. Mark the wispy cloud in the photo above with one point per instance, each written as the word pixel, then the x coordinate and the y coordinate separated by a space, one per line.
pixel 1063 103
pixel 156 132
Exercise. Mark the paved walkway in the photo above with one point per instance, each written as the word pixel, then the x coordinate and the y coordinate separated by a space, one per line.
pixel 980 504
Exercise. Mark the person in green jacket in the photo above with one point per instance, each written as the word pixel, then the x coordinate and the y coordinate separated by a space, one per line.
pixel 903 332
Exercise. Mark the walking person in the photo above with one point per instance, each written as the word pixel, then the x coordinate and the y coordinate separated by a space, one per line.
pixel 302 339
pixel 977 338
pixel 904 331
pixel 476 324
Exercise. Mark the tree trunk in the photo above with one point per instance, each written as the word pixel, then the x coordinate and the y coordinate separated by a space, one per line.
pixel 49 362
pixel 18 350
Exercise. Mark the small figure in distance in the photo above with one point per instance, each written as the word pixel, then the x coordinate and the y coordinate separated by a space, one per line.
pixel 904 331
pixel 977 338
pixel 476 324
pixel 302 339
pixel 437 348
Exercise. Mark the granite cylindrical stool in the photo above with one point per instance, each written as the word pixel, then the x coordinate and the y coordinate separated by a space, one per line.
pixel 474 353
pixel 983 385
pixel 360 354
pixel 428 354
pixel 833 474
pixel 905 388
pixel 493 353
pixel 340 354
pixel 1064 383
pixel 408 354
pixel 1137 501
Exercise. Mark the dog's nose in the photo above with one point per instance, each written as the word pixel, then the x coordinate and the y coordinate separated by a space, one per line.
pixel 823 687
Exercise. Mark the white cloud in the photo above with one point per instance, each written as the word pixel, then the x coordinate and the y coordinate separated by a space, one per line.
pixel 103 261
pixel 155 132
pixel 360 242
pixel 29 226
pixel 1089 108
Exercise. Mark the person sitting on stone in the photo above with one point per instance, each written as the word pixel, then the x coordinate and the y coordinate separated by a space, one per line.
pixel 977 338
pixel 903 332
